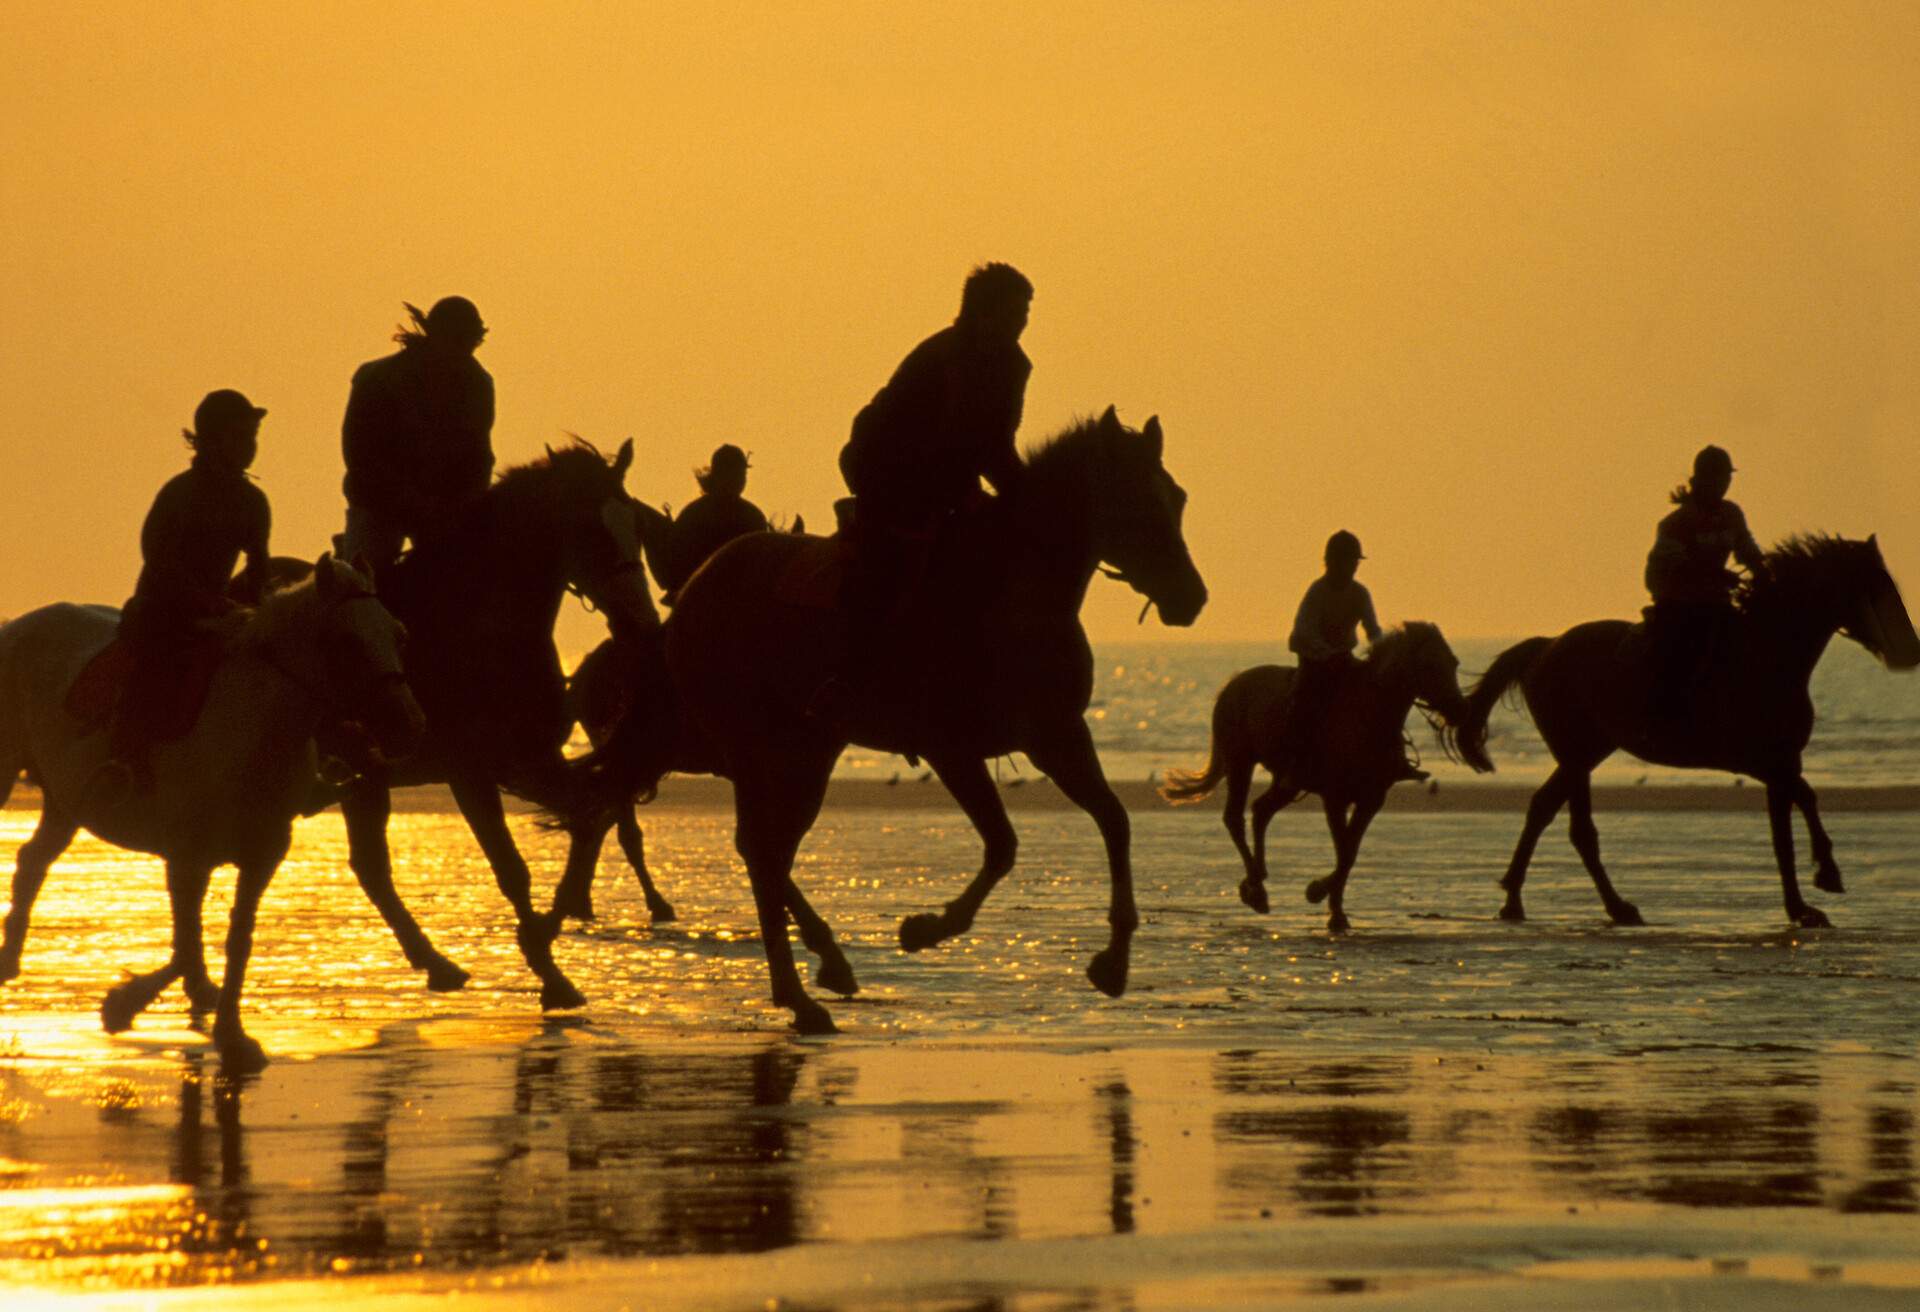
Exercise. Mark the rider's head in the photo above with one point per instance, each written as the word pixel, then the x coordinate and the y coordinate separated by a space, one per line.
pixel 726 476
pixel 453 324
pixel 226 428
pixel 995 301
pixel 1712 475
pixel 1343 555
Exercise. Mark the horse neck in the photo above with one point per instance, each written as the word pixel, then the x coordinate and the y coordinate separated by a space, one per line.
pixel 1049 557
pixel 1392 692
pixel 287 653
pixel 508 543
pixel 1792 628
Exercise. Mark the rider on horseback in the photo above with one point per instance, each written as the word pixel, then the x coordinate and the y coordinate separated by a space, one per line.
pixel 417 436
pixel 1688 578
pixel 196 531
pixel 1323 638
pixel 711 520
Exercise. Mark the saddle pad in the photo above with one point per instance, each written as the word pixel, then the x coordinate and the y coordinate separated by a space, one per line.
pixel 96 690
pixel 179 692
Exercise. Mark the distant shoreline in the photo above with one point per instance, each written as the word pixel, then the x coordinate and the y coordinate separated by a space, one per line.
pixel 1032 793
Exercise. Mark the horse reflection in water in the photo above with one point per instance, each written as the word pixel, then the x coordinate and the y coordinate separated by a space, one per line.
pixel 1589 693
pixel 1006 667
pixel 1360 749
pixel 226 792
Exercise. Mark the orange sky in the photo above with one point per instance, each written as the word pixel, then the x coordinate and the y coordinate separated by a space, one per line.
pixel 1472 280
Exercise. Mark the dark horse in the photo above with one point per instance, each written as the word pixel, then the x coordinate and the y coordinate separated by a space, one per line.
pixel 1003 666
pixel 479 603
pixel 1360 750
pixel 1588 691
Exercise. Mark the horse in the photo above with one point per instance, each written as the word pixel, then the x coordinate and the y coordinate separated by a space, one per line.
pixel 480 602
pixel 1004 667
pixel 1360 749
pixel 1589 692
pixel 226 792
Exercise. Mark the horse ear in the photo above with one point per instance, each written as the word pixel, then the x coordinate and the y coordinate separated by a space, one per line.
pixel 622 461
pixel 323 574
pixel 549 447
pixel 1156 440
pixel 1110 420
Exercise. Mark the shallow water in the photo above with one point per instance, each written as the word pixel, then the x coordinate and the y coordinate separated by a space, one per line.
pixel 1437 1067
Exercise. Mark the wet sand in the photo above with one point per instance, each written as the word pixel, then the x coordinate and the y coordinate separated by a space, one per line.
pixel 1438 1111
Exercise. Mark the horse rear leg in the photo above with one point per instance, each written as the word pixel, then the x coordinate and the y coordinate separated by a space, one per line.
pixel 479 802
pixel 1277 797
pixel 1826 871
pixel 1780 799
pixel 1585 836
pixel 972 787
pixel 1234 816
pixel 1546 803
pixel 1075 769
pixel 774 806
pixel 1347 830
pixel 50 838
pixel 365 807
pixel 634 844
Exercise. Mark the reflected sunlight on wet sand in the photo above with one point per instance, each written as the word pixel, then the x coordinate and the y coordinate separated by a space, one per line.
pixel 1441 1110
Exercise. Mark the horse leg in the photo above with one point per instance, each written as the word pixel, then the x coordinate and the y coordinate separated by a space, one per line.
pixel 240 1051
pixel 573 895
pixel 972 787
pixel 1234 816
pixel 1075 769
pixel 1546 802
pixel 186 890
pixel 1277 797
pixel 1780 797
pixel 1336 811
pixel 769 822
pixel 1585 836
pixel 479 802
pixel 1826 871
pixel 634 844
pixel 50 838
pixel 836 972
pixel 365 807
pixel 1347 852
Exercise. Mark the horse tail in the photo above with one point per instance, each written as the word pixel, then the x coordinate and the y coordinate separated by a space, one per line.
pixel 1501 679
pixel 1192 785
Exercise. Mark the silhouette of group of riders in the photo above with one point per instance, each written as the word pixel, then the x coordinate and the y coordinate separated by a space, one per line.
pixel 417 445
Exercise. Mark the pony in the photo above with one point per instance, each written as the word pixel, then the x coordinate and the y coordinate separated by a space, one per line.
pixel 1360 750
pixel 991 659
pixel 1588 691
pixel 225 793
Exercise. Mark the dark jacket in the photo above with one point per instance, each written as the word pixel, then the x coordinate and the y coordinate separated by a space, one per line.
pixel 944 420
pixel 707 524
pixel 418 433
pixel 200 524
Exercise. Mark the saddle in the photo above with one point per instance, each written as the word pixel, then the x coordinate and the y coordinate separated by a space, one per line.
pixel 175 694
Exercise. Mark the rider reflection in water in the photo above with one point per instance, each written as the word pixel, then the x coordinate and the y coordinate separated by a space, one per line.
pixel 195 533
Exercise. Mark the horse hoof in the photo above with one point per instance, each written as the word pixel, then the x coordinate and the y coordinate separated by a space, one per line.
pixel 809 1017
pixel 560 995
pixel 1254 895
pixel 837 977
pixel 1317 891
pixel 1826 879
pixel 202 997
pixel 445 977
pixel 1109 972
pixel 116 1012
pixel 1337 923
pixel 1514 912
pixel 1627 914
pixel 661 911
pixel 1812 918
pixel 240 1053
pixel 921 931
pixel 9 968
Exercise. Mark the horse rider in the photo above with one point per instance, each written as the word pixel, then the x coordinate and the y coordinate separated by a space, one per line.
pixel 198 528
pixel 1688 578
pixel 716 517
pixel 418 433
pixel 917 452
pixel 1323 638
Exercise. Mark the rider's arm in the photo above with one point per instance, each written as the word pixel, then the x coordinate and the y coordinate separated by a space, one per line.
pixel 1745 549
pixel 257 557
pixel 1367 620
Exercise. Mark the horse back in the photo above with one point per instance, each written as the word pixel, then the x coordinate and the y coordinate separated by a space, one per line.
pixel 1250 712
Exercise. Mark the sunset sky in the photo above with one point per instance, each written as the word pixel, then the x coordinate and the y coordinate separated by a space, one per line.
pixel 1472 280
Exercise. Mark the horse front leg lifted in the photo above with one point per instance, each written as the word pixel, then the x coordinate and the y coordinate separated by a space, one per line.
pixel 1780 798
pixel 1075 769
pixel 634 844
pixel 1826 871
pixel 366 806
pixel 479 802
pixel 972 787
pixel 836 972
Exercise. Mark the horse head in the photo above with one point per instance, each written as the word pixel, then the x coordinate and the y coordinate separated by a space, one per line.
pixel 598 532
pixel 1136 520
pixel 1845 584
pixel 1415 661
pixel 1880 622
pixel 359 645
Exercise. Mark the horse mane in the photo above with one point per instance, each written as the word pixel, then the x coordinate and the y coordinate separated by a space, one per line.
pixel 1386 652
pixel 253 627
pixel 1799 564
pixel 579 458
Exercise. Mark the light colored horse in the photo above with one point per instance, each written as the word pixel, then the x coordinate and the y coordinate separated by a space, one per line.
pixel 225 793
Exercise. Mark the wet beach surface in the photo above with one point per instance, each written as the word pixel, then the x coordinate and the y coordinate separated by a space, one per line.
pixel 1438 1110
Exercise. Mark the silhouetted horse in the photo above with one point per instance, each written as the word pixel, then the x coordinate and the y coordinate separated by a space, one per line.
pixel 1588 691
pixel 993 660
pixel 1360 749
pixel 226 792
pixel 480 603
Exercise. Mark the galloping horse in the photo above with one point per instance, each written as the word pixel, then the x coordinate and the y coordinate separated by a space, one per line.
pixel 480 603
pixel 1360 751
pixel 1006 667
pixel 226 792
pixel 1588 691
